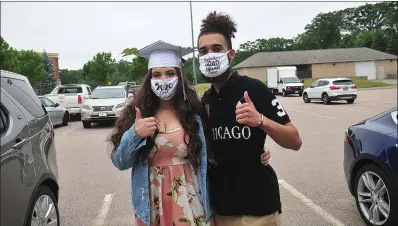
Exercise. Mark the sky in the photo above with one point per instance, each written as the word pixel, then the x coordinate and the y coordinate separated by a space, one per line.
pixel 79 30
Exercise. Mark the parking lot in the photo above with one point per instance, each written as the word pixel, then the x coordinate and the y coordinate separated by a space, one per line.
pixel 312 183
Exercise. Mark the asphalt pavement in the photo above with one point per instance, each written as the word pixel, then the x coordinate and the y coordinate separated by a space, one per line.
pixel 312 183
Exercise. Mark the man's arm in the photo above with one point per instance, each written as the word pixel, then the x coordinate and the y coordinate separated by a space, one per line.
pixel 286 135
pixel 276 122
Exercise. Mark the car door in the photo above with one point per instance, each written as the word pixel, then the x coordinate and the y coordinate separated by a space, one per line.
pixel 16 159
pixel 50 110
pixel 320 88
pixel 311 91
pixel 55 113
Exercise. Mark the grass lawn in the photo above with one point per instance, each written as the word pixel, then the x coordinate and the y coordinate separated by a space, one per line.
pixel 202 87
pixel 360 82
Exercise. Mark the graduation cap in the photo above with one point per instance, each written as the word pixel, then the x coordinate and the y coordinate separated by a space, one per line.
pixel 163 54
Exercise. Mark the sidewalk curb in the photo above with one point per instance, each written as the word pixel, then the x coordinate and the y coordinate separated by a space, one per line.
pixel 375 88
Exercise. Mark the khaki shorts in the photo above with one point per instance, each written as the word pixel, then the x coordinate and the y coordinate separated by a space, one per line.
pixel 274 219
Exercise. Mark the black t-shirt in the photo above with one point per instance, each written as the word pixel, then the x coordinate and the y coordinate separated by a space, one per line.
pixel 240 184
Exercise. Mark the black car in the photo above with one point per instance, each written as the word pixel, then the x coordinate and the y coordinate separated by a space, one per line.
pixel 28 161
pixel 371 167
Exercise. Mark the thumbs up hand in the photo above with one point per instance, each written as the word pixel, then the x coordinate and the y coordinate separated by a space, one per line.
pixel 144 127
pixel 247 114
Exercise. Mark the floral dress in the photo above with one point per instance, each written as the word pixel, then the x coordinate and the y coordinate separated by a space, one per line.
pixel 174 187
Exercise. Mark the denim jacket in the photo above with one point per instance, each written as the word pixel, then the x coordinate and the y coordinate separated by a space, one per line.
pixel 124 158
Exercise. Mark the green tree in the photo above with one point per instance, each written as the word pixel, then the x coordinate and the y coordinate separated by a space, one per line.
pixel 379 42
pixel 392 46
pixel 188 70
pixel 325 29
pixel 48 66
pixel 71 76
pixel 138 68
pixel 32 66
pixel 8 57
pixel 100 67
pixel 370 17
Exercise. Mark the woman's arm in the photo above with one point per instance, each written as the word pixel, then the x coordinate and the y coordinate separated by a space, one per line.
pixel 126 153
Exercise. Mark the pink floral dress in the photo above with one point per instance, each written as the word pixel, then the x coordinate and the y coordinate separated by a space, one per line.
pixel 174 187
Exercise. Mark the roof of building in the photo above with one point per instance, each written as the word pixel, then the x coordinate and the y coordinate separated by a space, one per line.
pixel 265 59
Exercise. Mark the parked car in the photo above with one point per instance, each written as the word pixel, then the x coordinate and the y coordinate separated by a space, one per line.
pixel 371 167
pixel 28 161
pixel 71 96
pixel 331 89
pixel 105 104
pixel 58 114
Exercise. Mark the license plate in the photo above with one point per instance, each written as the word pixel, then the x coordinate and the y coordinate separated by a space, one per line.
pixel 102 114
pixel 345 88
pixel 296 92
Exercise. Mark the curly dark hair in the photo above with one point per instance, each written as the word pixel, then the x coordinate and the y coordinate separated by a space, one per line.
pixel 219 23
pixel 148 103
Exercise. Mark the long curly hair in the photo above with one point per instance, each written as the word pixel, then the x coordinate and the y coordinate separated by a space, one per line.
pixel 148 103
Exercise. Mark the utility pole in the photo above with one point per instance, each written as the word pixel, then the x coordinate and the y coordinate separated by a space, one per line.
pixel 193 48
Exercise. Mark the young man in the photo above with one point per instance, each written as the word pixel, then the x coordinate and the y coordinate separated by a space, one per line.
pixel 239 112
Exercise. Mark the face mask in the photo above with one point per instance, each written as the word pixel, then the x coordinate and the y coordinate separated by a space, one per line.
pixel 214 64
pixel 165 89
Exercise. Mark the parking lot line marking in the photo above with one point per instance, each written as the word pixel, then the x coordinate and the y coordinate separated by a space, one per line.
pixel 104 210
pixel 327 216
pixel 310 113
pixel 349 109
pixel 71 130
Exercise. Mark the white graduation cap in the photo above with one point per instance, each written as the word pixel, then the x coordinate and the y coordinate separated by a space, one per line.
pixel 163 54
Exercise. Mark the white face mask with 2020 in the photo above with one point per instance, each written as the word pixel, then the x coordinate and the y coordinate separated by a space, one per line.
pixel 213 64
pixel 165 89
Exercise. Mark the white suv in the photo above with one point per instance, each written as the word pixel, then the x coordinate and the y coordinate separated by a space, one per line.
pixel 104 104
pixel 331 89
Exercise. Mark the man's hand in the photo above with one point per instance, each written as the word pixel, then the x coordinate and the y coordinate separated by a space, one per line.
pixel 265 157
pixel 247 114
pixel 144 127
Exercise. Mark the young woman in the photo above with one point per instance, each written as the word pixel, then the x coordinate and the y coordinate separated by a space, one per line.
pixel 160 136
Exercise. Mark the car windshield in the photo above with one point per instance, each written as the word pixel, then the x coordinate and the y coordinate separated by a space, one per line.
pixel 291 80
pixel 108 93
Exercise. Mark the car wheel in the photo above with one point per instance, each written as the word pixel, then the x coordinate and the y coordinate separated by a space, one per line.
pixel 44 208
pixel 305 98
pixel 325 98
pixel 376 200
pixel 86 124
pixel 65 119
pixel 284 93
pixel 350 101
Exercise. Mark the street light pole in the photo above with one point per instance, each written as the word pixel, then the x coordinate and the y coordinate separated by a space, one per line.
pixel 193 48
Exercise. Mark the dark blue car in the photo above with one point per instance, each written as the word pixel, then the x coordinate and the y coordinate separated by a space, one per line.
pixel 371 167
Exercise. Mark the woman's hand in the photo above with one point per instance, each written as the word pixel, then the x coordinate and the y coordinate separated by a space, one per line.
pixel 144 127
pixel 265 157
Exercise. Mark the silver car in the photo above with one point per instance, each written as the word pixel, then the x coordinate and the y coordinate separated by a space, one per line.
pixel 58 114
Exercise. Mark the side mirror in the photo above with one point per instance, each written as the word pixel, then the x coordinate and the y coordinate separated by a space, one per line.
pixel 56 105
pixel 302 80
pixel 311 86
